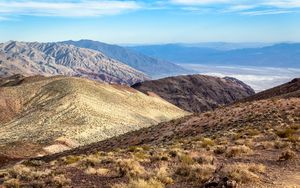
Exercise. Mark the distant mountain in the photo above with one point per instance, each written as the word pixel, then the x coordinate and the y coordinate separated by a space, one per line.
pixel 196 93
pixel 49 59
pixel 151 66
pixel 279 55
pixel 65 112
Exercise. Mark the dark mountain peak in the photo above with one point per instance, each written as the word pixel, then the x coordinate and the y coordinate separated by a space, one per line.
pixel 196 93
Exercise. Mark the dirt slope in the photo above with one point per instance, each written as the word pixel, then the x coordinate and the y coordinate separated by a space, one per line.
pixel 196 93
pixel 68 112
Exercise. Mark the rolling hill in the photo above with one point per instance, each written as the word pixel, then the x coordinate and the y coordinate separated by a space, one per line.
pixel 50 59
pixel 196 93
pixel 150 66
pixel 57 113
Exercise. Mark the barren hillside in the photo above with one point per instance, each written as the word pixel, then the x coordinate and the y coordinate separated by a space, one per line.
pixel 50 59
pixel 252 144
pixel 197 93
pixel 67 112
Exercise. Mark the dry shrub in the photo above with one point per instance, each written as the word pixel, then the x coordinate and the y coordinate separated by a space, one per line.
pixel 12 183
pixel 71 159
pixel 280 144
pixel 285 133
pixel 238 151
pixel 23 172
pixel 61 181
pixel 186 159
pixel 243 172
pixel 141 183
pixel 163 175
pixel 130 168
pixel 204 159
pixel 287 155
pixel 198 173
pixel 206 142
pixel 99 171
pixel 220 150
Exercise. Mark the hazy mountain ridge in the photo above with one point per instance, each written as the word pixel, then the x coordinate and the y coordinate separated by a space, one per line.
pixel 151 66
pixel 59 59
pixel 278 55
pixel 197 93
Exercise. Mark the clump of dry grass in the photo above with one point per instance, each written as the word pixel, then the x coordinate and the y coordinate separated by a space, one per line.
pixel 130 168
pixel 285 133
pixel 162 174
pixel 243 172
pixel 61 181
pixel 197 172
pixel 141 183
pixel 11 183
pixel 234 151
pixel 99 171
pixel 287 155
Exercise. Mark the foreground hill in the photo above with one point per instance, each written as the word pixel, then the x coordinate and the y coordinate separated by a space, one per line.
pixel 252 144
pixel 151 66
pixel 49 59
pixel 196 93
pixel 67 112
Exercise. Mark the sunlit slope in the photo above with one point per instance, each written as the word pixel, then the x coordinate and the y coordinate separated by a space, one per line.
pixel 76 109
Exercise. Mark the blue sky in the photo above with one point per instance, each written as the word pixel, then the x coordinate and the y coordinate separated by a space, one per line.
pixel 145 21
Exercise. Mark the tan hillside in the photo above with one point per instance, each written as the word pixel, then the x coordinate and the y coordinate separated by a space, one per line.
pixel 252 144
pixel 68 112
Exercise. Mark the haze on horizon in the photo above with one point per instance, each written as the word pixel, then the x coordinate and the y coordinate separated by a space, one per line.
pixel 151 22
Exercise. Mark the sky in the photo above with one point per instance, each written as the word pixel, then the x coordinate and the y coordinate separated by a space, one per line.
pixel 150 22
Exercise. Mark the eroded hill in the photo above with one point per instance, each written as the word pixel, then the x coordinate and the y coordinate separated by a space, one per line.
pixel 58 113
pixel 50 59
pixel 197 93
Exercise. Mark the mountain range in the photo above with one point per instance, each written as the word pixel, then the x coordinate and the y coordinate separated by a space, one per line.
pixel 151 66
pixel 60 59
pixel 278 55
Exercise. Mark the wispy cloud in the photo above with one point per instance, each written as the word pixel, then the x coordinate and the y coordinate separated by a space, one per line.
pixel 66 8
pixel 243 7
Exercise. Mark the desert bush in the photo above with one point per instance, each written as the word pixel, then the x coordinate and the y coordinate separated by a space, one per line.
pixel 130 168
pixel 11 183
pixel 71 159
pixel 198 173
pixel 141 183
pixel 287 155
pixel 163 175
pixel 186 159
pixel 238 151
pixel 220 150
pixel 99 171
pixel 204 159
pixel 285 133
pixel 61 181
pixel 206 142
pixel 243 172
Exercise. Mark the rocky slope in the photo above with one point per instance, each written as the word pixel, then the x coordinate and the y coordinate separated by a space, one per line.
pixel 289 89
pixel 151 66
pixel 196 93
pixel 49 59
pixel 251 144
pixel 42 113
